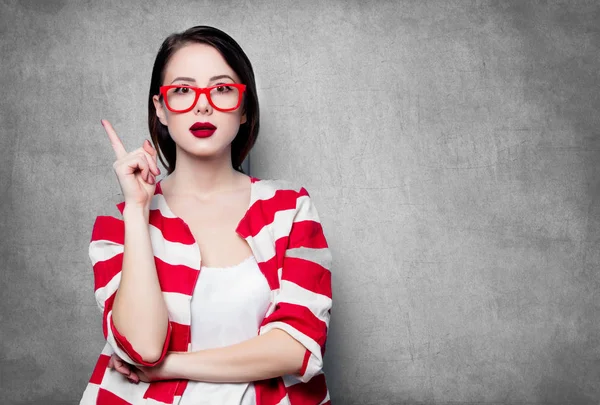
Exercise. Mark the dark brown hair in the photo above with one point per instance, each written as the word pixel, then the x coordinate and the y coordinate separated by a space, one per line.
pixel 237 60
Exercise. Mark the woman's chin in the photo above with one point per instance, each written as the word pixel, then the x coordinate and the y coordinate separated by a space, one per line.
pixel 204 151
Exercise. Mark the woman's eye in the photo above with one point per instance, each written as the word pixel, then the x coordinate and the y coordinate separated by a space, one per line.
pixel 182 90
pixel 223 89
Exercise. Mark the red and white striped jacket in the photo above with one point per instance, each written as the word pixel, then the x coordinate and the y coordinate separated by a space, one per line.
pixel 282 227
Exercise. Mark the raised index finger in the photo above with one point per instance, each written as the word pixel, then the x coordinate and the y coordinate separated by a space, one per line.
pixel 116 143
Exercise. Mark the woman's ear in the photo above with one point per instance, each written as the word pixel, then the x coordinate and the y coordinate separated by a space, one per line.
pixel 160 111
pixel 243 119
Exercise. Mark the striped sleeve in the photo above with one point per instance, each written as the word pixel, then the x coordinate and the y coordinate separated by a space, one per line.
pixel 106 253
pixel 303 302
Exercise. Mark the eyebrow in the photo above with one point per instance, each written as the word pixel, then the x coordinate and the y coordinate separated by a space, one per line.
pixel 191 79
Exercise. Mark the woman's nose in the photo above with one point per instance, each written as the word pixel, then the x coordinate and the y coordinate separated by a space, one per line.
pixel 203 105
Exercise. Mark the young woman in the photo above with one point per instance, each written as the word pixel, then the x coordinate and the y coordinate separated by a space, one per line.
pixel 215 286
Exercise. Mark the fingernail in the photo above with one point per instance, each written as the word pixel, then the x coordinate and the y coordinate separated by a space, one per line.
pixel 102 122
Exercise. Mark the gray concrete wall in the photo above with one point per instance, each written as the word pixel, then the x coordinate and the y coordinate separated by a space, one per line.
pixel 452 149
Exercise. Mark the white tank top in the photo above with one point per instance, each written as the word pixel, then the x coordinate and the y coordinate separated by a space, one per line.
pixel 227 307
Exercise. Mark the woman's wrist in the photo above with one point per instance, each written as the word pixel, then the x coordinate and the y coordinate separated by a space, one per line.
pixel 174 366
pixel 135 212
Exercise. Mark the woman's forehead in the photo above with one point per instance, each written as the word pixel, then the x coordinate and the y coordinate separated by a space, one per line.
pixel 199 61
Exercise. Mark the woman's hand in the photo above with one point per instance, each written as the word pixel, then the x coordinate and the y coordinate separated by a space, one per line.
pixel 127 370
pixel 136 171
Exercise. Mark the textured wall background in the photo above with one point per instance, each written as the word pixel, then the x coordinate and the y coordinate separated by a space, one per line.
pixel 452 149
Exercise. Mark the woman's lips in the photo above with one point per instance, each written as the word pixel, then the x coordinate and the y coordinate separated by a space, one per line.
pixel 202 133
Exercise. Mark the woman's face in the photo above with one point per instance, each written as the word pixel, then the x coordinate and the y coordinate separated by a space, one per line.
pixel 200 65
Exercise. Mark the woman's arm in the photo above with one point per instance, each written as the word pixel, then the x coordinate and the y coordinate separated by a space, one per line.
pixel 266 356
pixel 135 323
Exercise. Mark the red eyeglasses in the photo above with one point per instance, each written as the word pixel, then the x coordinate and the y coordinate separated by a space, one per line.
pixel 223 97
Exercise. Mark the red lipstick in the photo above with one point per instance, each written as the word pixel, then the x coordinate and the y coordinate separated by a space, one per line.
pixel 202 129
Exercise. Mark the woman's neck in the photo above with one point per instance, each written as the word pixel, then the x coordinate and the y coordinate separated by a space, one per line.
pixel 202 178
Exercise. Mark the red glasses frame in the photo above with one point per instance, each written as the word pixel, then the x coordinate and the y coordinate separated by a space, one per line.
pixel 203 90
